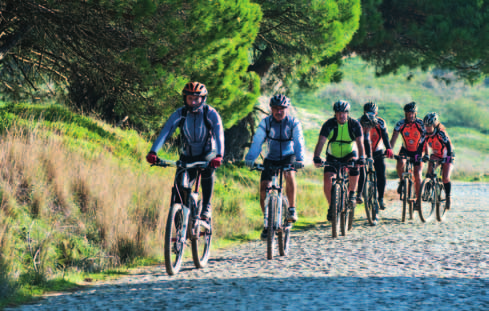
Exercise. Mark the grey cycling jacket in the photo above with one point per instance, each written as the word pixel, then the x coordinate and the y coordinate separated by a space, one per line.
pixel 194 132
pixel 284 138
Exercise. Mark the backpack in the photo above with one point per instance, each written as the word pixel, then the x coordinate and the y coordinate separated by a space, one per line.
pixel 350 132
pixel 208 125
pixel 269 127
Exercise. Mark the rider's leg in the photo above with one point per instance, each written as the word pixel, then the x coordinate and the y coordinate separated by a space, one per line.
pixel 447 169
pixel 328 181
pixel 379 164
pixel 400 170
pixel 291 190
pixel 418 168
pixel 354 176
pixel 207 183
pixel 264 184
pixel 361 183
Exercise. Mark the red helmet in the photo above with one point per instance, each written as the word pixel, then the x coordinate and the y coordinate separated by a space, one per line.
pixel 194 88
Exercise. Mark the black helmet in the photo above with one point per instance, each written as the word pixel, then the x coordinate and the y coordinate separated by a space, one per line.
pixel 370 107
pixel 411 107
pixel 341 106
pixel 280 100
pixel 368 120
pixel 431 119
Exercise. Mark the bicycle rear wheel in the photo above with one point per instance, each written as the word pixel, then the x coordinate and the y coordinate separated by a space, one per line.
pixel 283 236
pixel 441 201
pixel 336 205
pixel 272 203
pixel 345 214
pixel 427 207
pixel 174 239
pixel 201 243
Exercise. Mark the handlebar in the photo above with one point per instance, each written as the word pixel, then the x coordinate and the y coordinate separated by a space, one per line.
pixel 404 157
pixel 285 167
pixel 182 164
pixel 351 163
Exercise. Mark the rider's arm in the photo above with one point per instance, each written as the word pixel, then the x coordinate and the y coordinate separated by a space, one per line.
pixel 358 134
pixel 299 144
pixel 384 133
pixel 367 144
pixel 217 130
pixel 167 130
pixel 319 146
pixel 446 140
pixel 393 140
pixel 258 140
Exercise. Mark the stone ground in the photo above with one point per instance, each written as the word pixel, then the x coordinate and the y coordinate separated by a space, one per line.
pixel 393 266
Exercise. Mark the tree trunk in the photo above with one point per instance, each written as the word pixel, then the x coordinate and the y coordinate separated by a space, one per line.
pixel 236 139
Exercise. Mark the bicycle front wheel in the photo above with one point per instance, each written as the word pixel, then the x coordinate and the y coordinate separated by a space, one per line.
pixel 367 204
pixel 336 206
pixel 283 236
pixel 174 239
pixel 441 201
pixel 405 198
pixel 427 205
pixel 271 223
pixel 201 244
pixel 411 199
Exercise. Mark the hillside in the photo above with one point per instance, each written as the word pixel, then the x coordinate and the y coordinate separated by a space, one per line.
pixel 463 109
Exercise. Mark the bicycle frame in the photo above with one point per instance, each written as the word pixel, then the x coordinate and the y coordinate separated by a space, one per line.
pixel 407 177
pixel 434 194
pixel 189 208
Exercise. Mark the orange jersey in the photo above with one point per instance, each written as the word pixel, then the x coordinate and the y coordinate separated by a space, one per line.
pixel 439 143
pixel 412 133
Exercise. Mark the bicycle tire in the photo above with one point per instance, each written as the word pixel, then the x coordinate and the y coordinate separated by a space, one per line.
pixel 351 216
pixel 366 202
pixel 427 206
pixel 441 203
pixel 201 244
pixel 411 200
pixel 404 191
pixel 173 243
pixel 283 236
pixel 344 218
pixel 271 230
pixel 336 202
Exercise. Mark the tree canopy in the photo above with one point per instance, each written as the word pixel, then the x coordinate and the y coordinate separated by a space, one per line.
pixel 118 58
pixel 449 34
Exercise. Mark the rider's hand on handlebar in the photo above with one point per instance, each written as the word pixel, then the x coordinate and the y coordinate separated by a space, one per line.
pixel 361 161
pixel 317 161
pixel 152 158
pixel 216 162
pixel 389 153
pixel 298 165
pixel 250 163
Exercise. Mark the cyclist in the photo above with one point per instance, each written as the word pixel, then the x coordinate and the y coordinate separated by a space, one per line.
pixel 345 139
pixel 283 134
pixel 412 132
pixel 376 140
pixel 202 139
pixel 439 142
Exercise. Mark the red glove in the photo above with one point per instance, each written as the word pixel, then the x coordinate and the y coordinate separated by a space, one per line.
pixel 152 158
pixel 389 153
pixel 216 162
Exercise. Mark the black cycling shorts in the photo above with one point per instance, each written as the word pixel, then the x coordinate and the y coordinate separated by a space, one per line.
pixel 352 156
pixel 266 174
pixel 411 154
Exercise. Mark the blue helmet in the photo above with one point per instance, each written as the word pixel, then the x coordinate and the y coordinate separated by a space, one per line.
pixel 280 100
pixel 370 107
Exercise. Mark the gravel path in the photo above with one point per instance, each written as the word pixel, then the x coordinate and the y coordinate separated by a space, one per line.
pixel 393 266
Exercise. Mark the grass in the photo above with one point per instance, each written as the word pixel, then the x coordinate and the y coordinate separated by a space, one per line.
pixel 77 200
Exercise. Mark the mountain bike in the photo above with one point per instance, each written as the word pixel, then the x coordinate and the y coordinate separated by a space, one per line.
pixel 433 196
pixel 342 211
pixel 183 222
pixel 276 210
pixel 407 186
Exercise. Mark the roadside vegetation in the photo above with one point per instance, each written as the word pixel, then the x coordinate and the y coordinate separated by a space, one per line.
pixel 77 198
